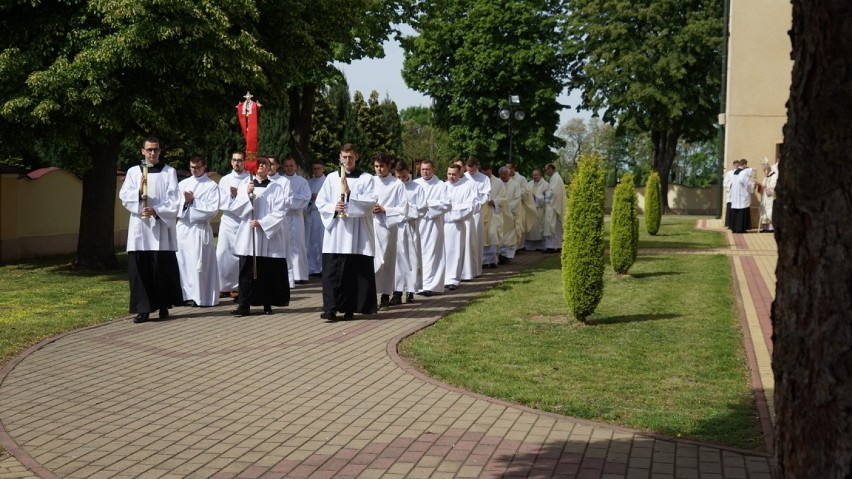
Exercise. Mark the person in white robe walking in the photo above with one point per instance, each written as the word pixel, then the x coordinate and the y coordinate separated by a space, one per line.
pixel 262 241
pixel 199 203
pixel 511 212
pixel 297 253
pixel 226 258
pixel 150 194
pixel 432 229
pixel 409 270
pixel 476 235
pixel 540 190
pixel 313 221
pixel 463 198
pixel 388 213
pixel 554 213
pixel 346 206
pixel 741 191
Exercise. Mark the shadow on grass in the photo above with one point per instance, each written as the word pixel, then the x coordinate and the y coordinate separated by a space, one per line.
pixel 630 318
pixel 655 274
pixel 64 265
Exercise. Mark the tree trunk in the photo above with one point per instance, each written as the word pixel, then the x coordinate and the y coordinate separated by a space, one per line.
pixel 664 143
pixel 96 238
pixel 302 100
pixel 812 331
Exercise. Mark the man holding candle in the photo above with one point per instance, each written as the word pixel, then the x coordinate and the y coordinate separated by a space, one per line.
pixel 150 193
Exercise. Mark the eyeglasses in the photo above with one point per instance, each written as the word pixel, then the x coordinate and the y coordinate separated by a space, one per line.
pixel 151 150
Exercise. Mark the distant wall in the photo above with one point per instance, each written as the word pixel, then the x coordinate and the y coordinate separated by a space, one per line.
pixel 40 214
pixel 682 200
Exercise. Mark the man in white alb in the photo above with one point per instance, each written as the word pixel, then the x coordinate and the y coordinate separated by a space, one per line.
pixel 463 198
pixel 297 254
pixel 227 259
pixel 199 203
pixel 432 229
pixel 313 221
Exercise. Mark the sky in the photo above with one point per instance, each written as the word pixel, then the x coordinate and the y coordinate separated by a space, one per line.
pixel 384 75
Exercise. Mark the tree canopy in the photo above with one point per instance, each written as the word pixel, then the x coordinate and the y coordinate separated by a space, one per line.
pixel 650 67
pixel 469 56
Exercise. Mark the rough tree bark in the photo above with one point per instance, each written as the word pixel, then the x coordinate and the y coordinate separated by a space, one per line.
pixel 96 237
pixel 812 357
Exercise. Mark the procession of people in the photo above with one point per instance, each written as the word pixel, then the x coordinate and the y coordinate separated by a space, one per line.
pixel 377 238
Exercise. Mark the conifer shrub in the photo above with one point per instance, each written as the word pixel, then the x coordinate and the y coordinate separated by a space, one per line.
pixel 624 226
pixel 583 245
pixel 653 208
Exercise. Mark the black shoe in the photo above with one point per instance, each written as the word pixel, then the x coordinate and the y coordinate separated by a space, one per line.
pixel 349 315
pixel 396 299
pixel 241 311
pixel 502 259
pixel 141 318
pixel 426 293
pixel 267 309
pixel 164 313
pixel 328 315
pixel 409 298
pixel 301 281
pixel 385 301
pixel 452 287
pixel 191 304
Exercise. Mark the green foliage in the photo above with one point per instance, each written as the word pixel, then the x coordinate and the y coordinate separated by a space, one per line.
pixel 469 56
pixel 583 245
pixel 650 67
pixel 624 228
pixel 653 205
pixel 273 133
pixel 423 140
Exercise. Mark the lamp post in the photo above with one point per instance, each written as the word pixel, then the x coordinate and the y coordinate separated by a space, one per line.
pixel 512 111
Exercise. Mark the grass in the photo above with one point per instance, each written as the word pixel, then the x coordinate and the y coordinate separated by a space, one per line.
pixel 44 297
pixel 663 352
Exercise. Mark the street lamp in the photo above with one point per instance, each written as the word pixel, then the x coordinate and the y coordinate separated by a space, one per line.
pixel 509 112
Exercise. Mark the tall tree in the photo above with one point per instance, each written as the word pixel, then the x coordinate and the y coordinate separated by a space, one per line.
pixel 469 56
pixel 812 333
pixel 89 74
pixel 650 67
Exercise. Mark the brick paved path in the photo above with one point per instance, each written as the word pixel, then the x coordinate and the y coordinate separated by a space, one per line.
pixel 288 395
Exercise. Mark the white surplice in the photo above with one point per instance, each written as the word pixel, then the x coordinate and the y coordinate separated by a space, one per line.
pixel 535 234
pixel 463 198
pixel 554 213
pixel 297 254
pixel 353 233
pixel 196 255
pixel 432 233
pixel 409 271
pixel 226 257
pixel 151 234
pixel 270 239
pixel 391 196
pixel 472 266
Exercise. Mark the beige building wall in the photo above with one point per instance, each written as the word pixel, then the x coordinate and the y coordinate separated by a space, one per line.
pixel 40 214
pixel 759 69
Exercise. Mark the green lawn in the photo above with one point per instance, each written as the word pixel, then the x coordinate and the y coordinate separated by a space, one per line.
pixel 663 351
pixel 44 297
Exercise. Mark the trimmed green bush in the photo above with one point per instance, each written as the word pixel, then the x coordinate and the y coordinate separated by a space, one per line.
pixel 624 226
pixel 583 246
pixel 653 208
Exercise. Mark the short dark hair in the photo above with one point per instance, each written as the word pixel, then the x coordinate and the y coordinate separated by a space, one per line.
pixel 150 139
pixel 454 166
pixel 198 159
pixel 383 158
pixel 472 161
pixel 401 166
pixel 349 147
